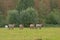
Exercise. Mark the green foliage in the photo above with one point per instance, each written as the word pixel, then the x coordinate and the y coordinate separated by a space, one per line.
pixel 53 4
pixel 24 4
pixel 1 20
pixel 29 16
pixel 44 11
pixel 54 17
pixel 25 17
pixel 13 16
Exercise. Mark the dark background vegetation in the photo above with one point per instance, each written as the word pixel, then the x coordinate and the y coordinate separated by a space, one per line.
pixel 29 11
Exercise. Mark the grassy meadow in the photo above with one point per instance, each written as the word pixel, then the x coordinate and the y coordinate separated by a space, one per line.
pixel 30 34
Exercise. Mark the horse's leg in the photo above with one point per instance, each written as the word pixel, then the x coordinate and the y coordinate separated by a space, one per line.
pixel 12 27
pixel 9 28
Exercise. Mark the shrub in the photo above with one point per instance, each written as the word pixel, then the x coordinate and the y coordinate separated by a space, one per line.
pixel 54 17
pixel 13 16
pixel 1 20
pixel 29 16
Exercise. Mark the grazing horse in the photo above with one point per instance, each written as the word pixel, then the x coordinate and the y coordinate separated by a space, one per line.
pixel 11 26
pixel 21 26
pixel 39 26
pixel 32 26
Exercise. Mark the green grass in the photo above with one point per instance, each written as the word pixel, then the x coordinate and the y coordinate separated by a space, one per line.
pixel 30 34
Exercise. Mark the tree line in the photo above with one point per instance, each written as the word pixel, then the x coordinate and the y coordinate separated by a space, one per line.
pixel 32 11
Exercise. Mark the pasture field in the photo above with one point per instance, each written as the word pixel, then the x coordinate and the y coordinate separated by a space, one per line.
pixel 30 34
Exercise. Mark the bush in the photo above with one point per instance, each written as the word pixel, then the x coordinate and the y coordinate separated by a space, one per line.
pixel 54 17
pixel 1 21
pixel 29 16
pixel 13 17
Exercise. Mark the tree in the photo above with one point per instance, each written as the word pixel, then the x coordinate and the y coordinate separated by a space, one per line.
pixel 53 17
pixel 29 16
pixel 13 17
pixel 24 4
pixel 2 22
pixel 6 5
pixel 53 4
pixel 44 10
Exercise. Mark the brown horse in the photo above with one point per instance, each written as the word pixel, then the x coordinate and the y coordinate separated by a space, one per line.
pixel 32 26
pixel 21 26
